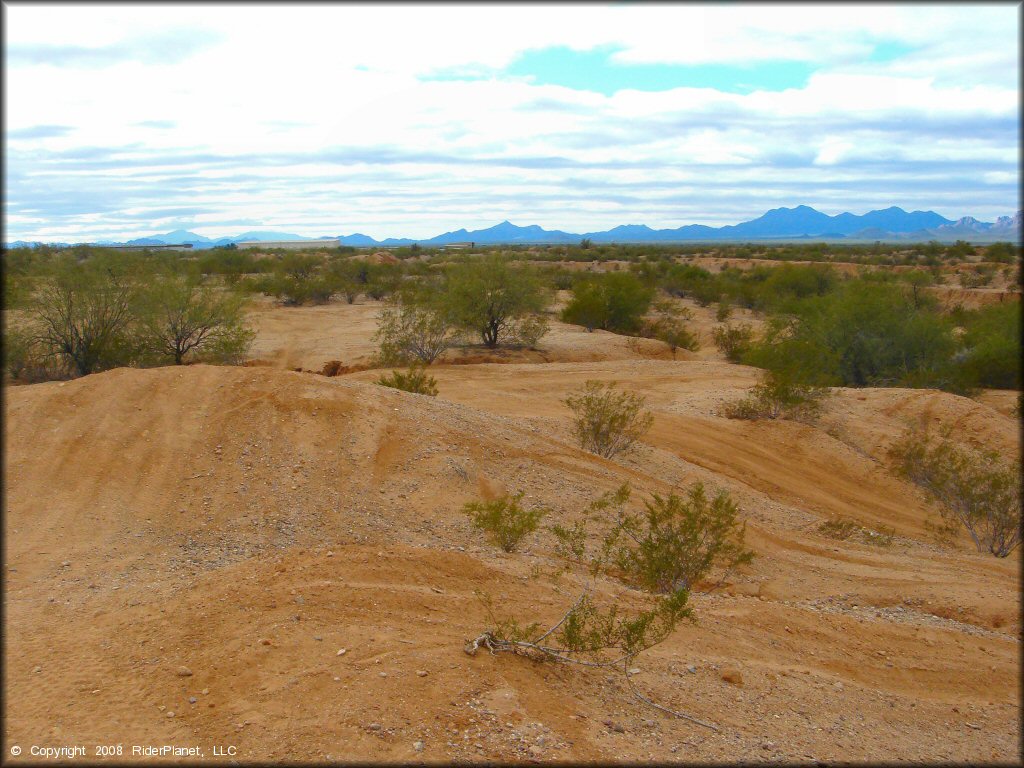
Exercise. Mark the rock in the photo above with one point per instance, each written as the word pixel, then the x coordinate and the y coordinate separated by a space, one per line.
pixel 382 674
pixel 768 745
pixel 341 652
pixel 331 554
pixel 184 672
pixel 37 669
pixel 264 641
pixel 205 691
pixel 421 673
pixel 317 637
pixel 192 699
pixel 536 751
pixel 838 686
pixel 732 675
pixel 374 726
pixel 616 727
pixel 650 723
pixel 170 714
pixel 691 669
pixel 634 671
pixel 418 746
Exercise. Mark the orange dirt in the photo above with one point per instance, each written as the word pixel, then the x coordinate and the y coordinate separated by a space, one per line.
pixel 248 523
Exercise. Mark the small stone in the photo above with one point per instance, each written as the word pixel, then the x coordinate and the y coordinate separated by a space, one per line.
pixel 838 686
pixel 732 676
pixel 330 554
pixel 673 749
pixel 341 652
pixel 37 669
pixel 634 671
pixel 317 637
pixel 421 673
pixel 768 745
pixel 184 672
pixel 382 674
pixel 337 679
pixel 418 746
pixel 374 726
pixel 264 641
pixel 536 751
pixel 170 714
pixel 66 564
pixel 192 699
pixel 650 723
pixel 691 669
pixel 205 691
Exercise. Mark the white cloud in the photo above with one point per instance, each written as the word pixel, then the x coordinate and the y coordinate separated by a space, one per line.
pixel 325 106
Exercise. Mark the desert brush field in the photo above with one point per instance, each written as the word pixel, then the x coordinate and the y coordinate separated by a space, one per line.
pixel 276 560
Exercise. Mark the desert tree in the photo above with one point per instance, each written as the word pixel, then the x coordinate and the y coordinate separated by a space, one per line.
pixel 489 295
pixel 412 325
pixel 83 313
pixel 181 316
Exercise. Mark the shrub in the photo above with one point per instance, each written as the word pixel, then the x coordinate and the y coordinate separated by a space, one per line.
pixel 723 310
pixel 504 519
pixel 733 341
pixel 845 529
pixel 614 301
pixel 974 489
pixel 777 396
pixel 669 327
pixel 530 330
pixel 677 541
pixel 991 346
pixel 409 328
pixel 414 380
pixel 25 358
pixel 607 422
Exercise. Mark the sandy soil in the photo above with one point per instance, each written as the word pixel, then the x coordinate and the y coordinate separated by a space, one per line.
pixel 188 550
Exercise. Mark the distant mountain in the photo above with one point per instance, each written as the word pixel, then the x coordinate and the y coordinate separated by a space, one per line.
pixel 264 236
pixel 799 223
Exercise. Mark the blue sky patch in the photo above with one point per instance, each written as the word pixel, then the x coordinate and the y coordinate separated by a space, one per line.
pixel 595 71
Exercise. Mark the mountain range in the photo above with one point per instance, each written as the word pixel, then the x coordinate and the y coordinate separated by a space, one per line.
pixel 801 222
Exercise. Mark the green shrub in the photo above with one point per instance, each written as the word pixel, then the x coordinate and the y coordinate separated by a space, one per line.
pixel 414 380
pixel 678 541
pixel 504 519
pixel 778 396
pixel 410 327
pixel 733 341
pixel 614 301
pixel 607 422
pixel 975 489
pixel 991 354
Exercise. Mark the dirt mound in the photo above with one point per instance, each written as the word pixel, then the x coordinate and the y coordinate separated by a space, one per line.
pixel 203 541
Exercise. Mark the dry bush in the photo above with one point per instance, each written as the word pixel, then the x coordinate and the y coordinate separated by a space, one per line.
pixel 775 397
pixel 845 529
pixel 504 519
pixel 607 422
pixel 414 380
pixel 975 489
pixel 530 330
pixel 409 328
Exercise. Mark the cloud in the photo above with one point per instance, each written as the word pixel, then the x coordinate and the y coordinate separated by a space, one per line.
pixel 261 114
pixel 40 132
pixel 167 47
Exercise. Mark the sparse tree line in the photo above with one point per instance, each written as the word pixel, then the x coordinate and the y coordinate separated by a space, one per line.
pixel 110 310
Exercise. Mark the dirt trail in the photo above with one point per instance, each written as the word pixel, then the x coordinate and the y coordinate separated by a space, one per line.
pixel 248 523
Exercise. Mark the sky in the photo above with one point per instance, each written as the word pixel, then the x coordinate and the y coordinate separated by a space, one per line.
pixel 412 120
